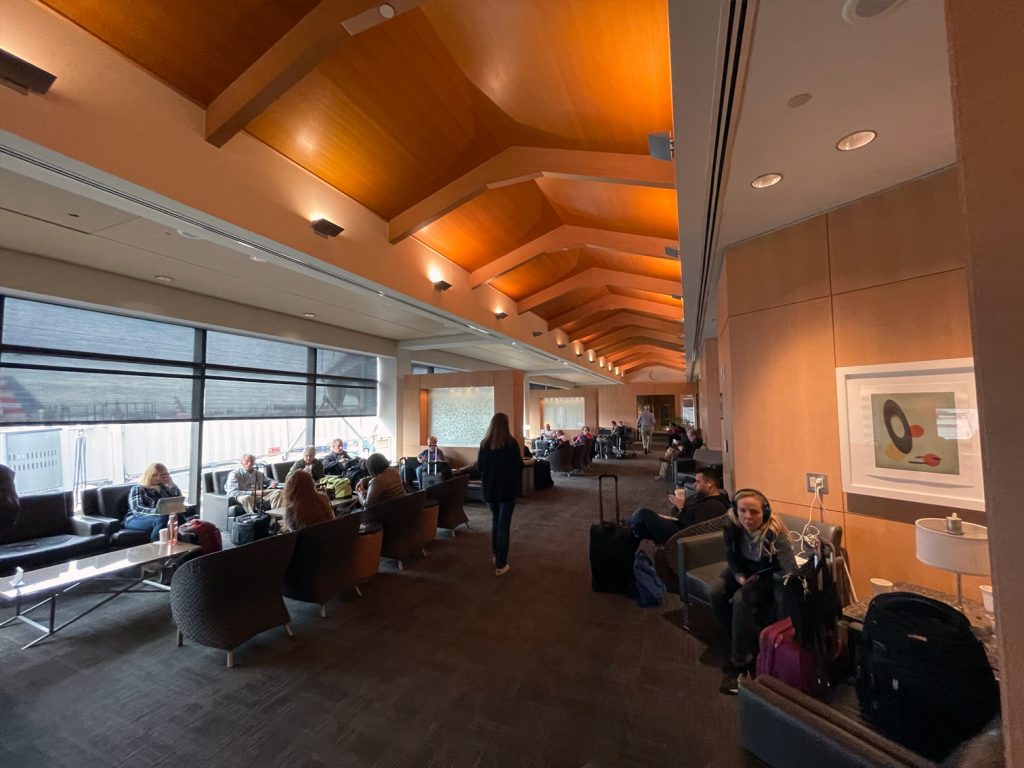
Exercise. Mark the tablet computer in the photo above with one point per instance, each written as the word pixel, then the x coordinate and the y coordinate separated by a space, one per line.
pixel 172 505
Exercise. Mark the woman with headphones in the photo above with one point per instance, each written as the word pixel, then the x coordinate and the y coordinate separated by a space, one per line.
pixel 756 547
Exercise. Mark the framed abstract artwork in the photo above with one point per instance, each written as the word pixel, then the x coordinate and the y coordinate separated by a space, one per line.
pixel 910 431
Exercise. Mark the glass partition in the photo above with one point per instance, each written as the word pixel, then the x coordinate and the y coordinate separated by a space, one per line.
pixel 459 416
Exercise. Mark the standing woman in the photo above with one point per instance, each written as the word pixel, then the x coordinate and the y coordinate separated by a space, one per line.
pixel 500 463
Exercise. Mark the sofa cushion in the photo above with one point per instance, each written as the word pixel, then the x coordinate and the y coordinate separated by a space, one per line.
pixel 48 550
pixel 126 537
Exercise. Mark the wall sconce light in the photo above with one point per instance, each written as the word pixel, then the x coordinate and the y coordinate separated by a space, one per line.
pixel 500 315
pixel 579 354
pixel 441 286
pixel 537 333
pixel 327 228
pixel 22 76
pixel 562 345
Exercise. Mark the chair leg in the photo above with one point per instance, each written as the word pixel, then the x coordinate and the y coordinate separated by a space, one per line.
pixel 686 616
pixel 288 629
pixel 323 611
pixel 424 552
pixel 180 639
pixel 231 659
pixel 359 592
pixel 400 566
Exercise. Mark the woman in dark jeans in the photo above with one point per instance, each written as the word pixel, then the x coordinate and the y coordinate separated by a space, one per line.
pixel 500 463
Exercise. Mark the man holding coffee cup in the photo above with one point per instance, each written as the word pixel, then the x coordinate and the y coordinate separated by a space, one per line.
pixel 708 502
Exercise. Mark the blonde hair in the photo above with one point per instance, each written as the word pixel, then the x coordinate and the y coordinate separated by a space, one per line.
pixel 148 477
pixel 772 525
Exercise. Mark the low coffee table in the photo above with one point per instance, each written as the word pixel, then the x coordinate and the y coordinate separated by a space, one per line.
pixel 56 580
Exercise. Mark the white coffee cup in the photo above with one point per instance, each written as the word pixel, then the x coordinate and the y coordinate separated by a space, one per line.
pixel 878 586
pixel 987 599
pixel 680 493
pixel 165 535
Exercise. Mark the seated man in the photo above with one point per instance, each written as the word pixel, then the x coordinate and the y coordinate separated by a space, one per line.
pixel 248 484
pixel 668 461
pixel 334 462
pixel 709 501
pixel 429 455
pixel 309 463
pixel 382 484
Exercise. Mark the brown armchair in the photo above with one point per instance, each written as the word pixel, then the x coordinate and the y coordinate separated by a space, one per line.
pixel 223 599
pixel 320 568
pixel 400 518
pixel 450 496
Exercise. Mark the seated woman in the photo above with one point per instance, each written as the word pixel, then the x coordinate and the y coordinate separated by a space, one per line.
pixel 583 437
pixel 303 504
pixel 756 547
pixel 154 484
pixel 668 462
pixel 383 483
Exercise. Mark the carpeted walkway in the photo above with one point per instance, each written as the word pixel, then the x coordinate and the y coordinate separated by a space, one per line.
pixel 441 664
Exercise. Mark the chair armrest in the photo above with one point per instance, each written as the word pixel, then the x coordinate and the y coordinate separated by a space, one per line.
pixel 698 551
pixel 87 525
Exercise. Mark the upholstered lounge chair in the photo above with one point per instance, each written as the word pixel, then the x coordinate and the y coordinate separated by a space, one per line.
pixel 401 519
pixel 222 600
pixel 320 568
pixel 561 459
pixel 450 496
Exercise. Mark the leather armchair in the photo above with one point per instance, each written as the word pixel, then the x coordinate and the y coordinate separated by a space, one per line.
pixel 400 518
pixel 320 568
pixel 450 496
pixel 561 458
pixel 223 599
pixel 110 503
pixel 278 471
pixel 217 505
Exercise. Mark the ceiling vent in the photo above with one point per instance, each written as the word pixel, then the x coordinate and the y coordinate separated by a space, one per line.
pixel 862 11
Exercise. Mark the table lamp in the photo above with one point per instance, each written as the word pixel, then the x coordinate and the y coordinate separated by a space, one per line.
pixel 953 545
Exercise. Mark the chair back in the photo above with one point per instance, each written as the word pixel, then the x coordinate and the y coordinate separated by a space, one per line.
pixel 278 471
pixel 561 458
pixel 214 482
pixel 112 500
pixel 222 599
pixel 400 519
pixel 42 514
pixel 826 531
pixel 317 571
pixel 576 457
pixel 450 496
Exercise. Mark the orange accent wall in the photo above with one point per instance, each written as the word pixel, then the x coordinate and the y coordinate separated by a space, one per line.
pixel 881 280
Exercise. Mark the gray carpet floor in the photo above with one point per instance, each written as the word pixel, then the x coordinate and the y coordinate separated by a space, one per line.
pixel 440 664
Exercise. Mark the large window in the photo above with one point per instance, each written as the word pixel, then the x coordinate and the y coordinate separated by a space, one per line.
pixel 90 398
pixel 563 412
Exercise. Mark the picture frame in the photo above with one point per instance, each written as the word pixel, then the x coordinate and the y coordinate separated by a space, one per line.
pixel 909 431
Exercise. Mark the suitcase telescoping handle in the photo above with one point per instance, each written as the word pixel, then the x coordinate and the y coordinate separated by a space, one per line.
pixel 600 497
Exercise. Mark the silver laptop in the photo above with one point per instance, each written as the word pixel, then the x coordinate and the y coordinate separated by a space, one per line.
pixel 172 505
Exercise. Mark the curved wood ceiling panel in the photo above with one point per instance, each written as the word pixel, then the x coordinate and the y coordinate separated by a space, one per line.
pixel 490 225
pixel 554 65
pixel 195 46
pixel 568 301
pixel 640 210
pixel 658 298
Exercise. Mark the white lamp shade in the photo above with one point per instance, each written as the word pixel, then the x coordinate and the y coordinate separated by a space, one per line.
pixel 966 553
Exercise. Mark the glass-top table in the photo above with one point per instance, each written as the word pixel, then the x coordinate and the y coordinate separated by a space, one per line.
pixel 54 581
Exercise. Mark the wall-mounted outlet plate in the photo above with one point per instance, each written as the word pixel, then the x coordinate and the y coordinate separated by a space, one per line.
pixel 819 480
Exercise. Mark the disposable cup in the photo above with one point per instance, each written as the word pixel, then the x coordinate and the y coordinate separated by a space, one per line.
pixel 165 535
pixel 987 599
pixel 878 586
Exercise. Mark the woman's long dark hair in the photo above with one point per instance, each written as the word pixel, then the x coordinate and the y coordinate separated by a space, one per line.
pixel 498 433
pixel 299 489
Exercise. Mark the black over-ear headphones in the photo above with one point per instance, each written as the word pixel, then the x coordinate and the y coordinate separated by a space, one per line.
pixel 765 504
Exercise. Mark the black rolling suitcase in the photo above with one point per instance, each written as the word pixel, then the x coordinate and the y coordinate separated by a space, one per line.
pixel 542 475
pixel 612 548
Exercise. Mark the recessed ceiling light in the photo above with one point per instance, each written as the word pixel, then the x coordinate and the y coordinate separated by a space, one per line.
pixel 386 10
pixel 767 180
pixel 257 259
pixel 798 101
pixel 309 314
pixel 163 278
pixel 74 216
pixel 855 140
pixel 188 235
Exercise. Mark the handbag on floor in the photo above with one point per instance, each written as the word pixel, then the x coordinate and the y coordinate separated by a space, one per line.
pixel 612 547
pixel 649 586
pixel 203 533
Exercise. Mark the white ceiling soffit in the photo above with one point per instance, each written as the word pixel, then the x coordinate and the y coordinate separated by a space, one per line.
pixel 889 74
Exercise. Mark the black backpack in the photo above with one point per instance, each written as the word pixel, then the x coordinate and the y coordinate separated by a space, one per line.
pixel 923 678
pixel 811 601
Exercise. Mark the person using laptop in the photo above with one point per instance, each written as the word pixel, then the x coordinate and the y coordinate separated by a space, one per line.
pixel 154 484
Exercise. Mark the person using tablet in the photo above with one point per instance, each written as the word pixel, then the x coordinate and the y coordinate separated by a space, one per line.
pixel 154 484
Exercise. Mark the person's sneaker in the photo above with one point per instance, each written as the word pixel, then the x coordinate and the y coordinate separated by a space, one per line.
pixel 730 684
pixel 502 571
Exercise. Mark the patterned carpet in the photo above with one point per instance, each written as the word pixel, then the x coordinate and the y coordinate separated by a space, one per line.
pixel 439 665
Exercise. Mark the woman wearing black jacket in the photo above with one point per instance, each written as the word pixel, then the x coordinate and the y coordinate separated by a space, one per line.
pixel 500 463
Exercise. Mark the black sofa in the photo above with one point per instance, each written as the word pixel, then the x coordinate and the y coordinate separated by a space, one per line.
pixel 46 532
pixel 217 505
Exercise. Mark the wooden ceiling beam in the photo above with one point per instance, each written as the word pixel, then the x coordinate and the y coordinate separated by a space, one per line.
pixel 587 333
pixel 636 342
pixel 639 365
pixel 645 350
pixel 519 164
pixel 615 302
pixel 595 277
pixel 315 37
pixel 641 359
pixel 632 332
pixel 571 236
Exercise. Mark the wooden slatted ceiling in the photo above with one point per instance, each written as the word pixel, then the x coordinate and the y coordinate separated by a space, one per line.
pixel 490 225
pixel 549 268
pixel 196 46
pixel 570 300
pixel 658 298
pixel 640 210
